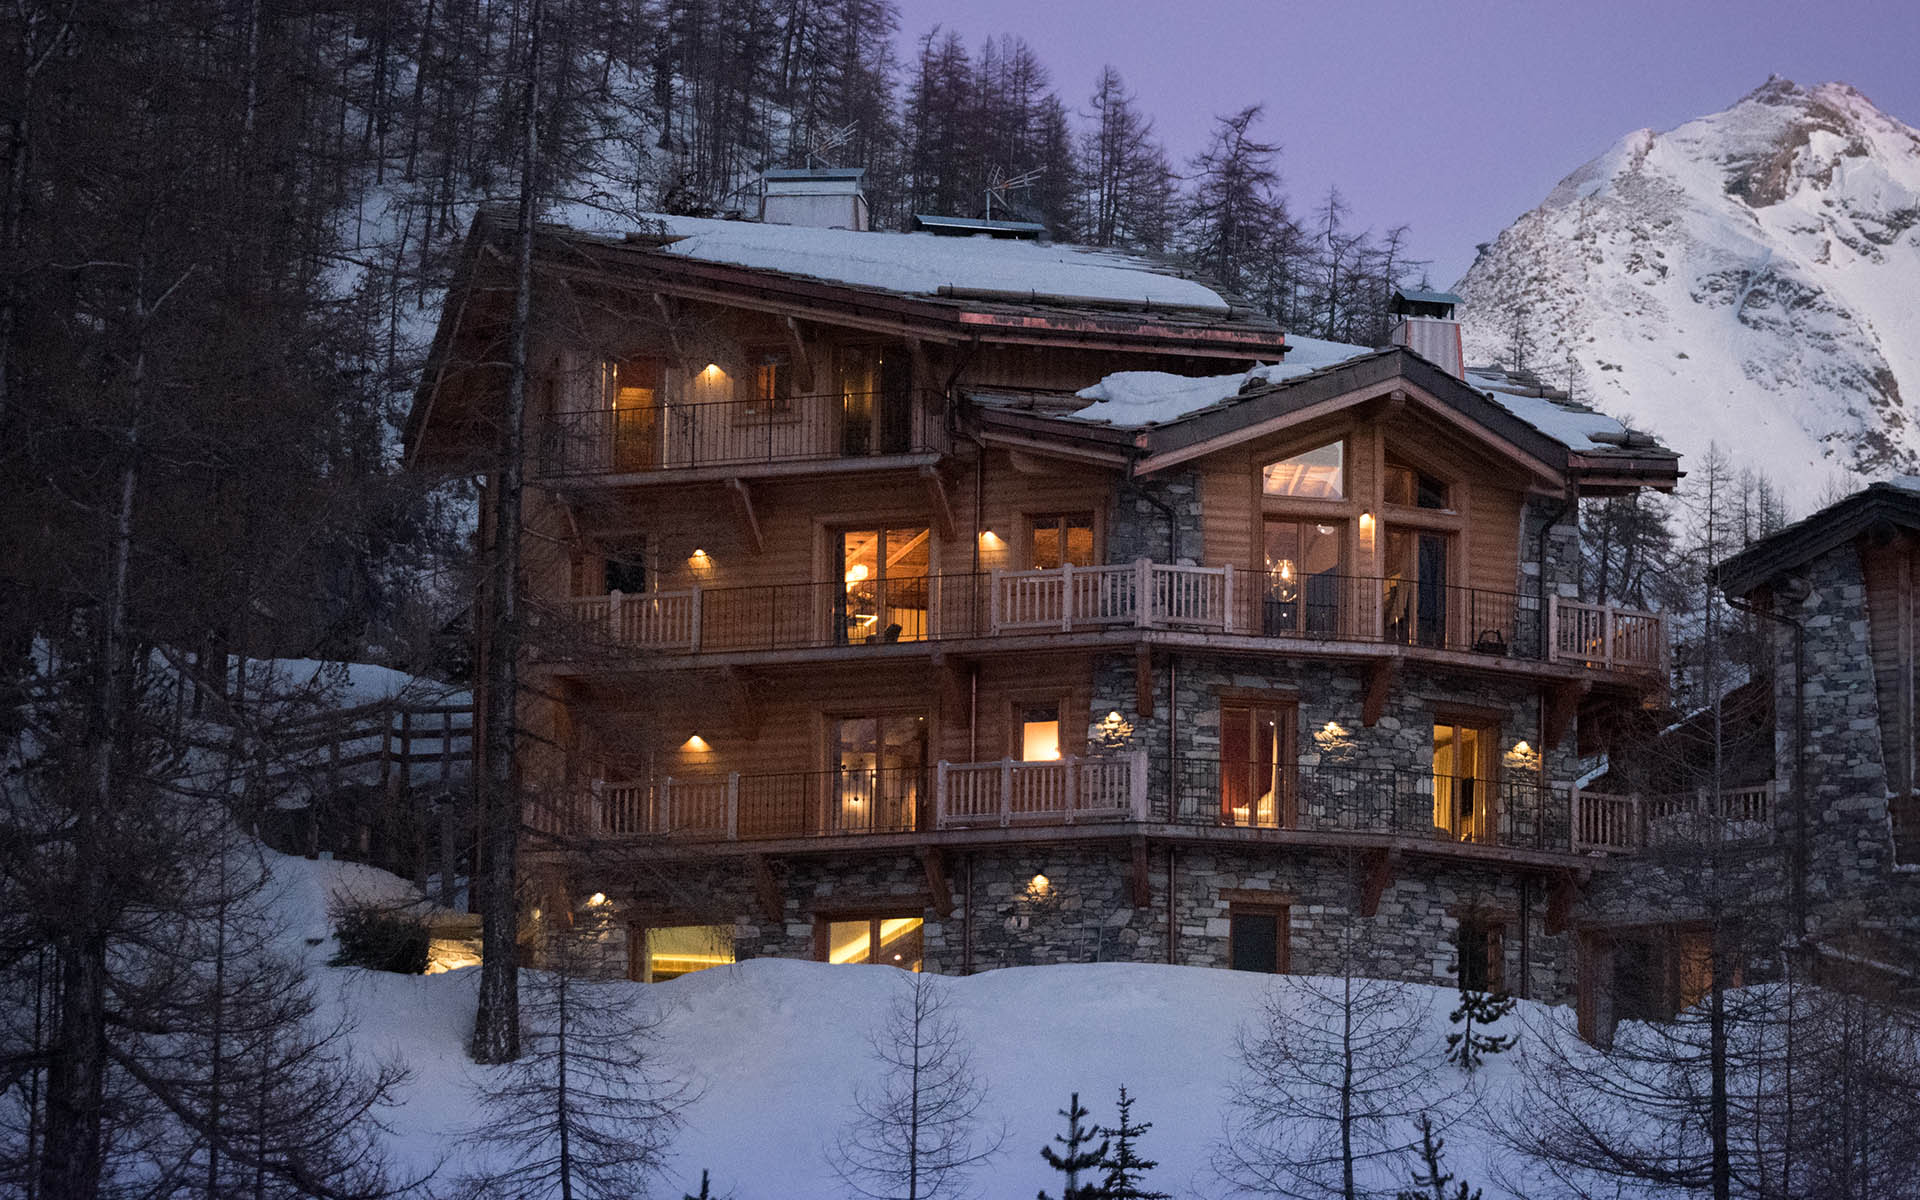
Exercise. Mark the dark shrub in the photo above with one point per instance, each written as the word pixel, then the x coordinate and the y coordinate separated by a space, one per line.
pixel 379 939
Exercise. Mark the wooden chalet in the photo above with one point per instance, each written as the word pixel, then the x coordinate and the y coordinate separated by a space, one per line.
pixel 957 602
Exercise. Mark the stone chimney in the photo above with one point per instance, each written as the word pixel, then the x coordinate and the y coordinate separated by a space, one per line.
pixel 1427 327
pixel 824 197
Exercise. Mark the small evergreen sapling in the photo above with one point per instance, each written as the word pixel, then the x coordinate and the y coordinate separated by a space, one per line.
pixel 1469 1045
pixel 1076 1158
pixel 1126 1170
pixel 1431 1183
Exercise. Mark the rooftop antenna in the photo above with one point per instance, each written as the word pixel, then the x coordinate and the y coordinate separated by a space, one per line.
pixel 820 141
pixel 1000 184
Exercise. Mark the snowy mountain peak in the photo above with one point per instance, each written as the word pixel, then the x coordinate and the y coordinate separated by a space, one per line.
pixel 1744 279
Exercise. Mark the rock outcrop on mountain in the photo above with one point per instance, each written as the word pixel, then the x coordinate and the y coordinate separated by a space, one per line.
pixel 1750 280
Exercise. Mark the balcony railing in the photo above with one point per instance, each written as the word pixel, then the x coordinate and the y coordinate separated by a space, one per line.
pixel 663 437
pixel 1617 823
pixel 1404 802
pixel 1142 594
pixel 1126 787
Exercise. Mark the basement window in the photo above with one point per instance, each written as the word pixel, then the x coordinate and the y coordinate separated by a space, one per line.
pixel 1257 938
pixel 670 951
pixel 1482 951
pixel 888 941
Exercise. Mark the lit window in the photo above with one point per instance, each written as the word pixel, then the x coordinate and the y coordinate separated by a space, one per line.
pixel 1414 489
pixel 1039 732
pixel 1062 540
pixel 889 941
pixel 671 951
pixel 1317 474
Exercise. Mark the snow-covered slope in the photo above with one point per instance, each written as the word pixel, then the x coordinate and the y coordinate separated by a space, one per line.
pixel 1747 279
pixel 777 1047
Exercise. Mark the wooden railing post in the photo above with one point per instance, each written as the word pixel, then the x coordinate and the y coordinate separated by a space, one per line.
pixel 616 625
pixel 1006 792
pixel 1552 631
pixel 1137 784
pixel 1609 629
pixel 993 601
pixel 666 805
pixel 733 806
pixel 1143 592
pixel 1066 597
pixel 1227 618
pixel 940 794
pixel 694 619
pixel 1068 792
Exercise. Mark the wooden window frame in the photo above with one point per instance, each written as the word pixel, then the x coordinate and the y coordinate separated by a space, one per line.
pixel 638 927
pixel 1069 747
pixel 873 914
pixel 1032 522
pixel 1280 909
pixel 1493 926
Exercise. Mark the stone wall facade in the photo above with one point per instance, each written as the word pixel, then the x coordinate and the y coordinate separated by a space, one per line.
pixel 1855 885
pixel 1084 912
pixel 1146 511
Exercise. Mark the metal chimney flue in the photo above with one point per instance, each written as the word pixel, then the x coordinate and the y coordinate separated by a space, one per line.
pixel 1425 324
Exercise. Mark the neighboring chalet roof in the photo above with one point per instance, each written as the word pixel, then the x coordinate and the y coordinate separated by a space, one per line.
pixel 1891 504
pixel 779 174
pixel 953 289
pixel 974 226
pixel 1417 296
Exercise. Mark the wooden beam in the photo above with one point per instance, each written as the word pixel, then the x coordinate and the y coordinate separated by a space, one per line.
pixel 1560 902
pixel 1563 701
pixel 1380 868
pixel 937 498
pixel 1380 675
pixel 743 512
pixel 1141 876
pixel 1143 682
pixel 743 689
pixel 802 361
pixel 940 895
pixel 772 904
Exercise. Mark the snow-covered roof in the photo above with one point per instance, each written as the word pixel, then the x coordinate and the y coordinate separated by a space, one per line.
pixel 925 264
pixel 1133 399
pixel 1579 428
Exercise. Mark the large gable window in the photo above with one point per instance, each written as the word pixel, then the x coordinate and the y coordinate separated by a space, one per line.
pixel 1317 474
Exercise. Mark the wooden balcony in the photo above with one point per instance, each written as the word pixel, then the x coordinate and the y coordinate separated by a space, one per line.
pixel 742 437
pixel 1618 824
pixel 1142 595
pixel 1100 796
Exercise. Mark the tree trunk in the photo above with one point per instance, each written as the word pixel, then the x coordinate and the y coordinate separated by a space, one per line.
pixel 496 1025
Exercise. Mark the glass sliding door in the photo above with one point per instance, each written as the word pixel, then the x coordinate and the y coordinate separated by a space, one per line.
pixel 876 400
pixel 883 591
pixel 1463 782
pixel 1415 587
pixel 878 773
pixel 1257 761
pixel 631 392
pixel 1304 577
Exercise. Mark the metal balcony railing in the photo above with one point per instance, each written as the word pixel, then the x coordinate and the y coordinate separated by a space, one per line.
pixel 664 437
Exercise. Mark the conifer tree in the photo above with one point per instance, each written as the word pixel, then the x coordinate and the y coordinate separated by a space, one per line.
pixel 1076 1159
pixel 1126 1170
pixel 1469 1044
pixel 1430 1179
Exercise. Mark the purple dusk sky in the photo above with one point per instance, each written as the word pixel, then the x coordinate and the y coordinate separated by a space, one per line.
pixel 1453 117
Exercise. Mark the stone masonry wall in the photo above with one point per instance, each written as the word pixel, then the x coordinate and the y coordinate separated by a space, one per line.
pixel 1137 526
pixel 1084 912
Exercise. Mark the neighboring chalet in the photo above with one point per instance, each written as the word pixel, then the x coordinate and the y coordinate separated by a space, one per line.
pixel 1840 589
pixel 966 601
